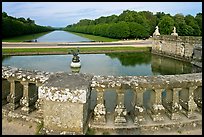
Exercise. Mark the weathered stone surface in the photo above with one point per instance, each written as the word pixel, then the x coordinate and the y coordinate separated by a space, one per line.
pixel 18 74
pixel 148 82
pixel 63 87
pixel 187 48
pixel 66 99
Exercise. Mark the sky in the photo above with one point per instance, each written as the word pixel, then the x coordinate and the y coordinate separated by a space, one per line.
pixel 61 14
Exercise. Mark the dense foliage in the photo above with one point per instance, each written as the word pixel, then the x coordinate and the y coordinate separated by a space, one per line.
pixel 132 24
pixel 12 26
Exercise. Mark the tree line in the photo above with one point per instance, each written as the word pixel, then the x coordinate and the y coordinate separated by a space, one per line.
pixel 12 26
pixel 137 25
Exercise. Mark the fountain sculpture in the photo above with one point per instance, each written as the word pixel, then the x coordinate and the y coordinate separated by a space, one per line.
pixel 75 64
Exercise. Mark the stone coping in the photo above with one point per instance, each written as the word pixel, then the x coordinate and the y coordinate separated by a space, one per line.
pixel 148 82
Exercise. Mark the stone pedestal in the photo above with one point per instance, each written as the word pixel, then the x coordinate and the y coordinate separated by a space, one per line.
pixel 66 103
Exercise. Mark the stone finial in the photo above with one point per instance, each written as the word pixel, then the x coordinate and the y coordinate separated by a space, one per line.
pixel 156 32
pixel 174 32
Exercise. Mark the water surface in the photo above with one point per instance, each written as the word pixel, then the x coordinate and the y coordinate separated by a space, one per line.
pixel 61 36
pixel 117 64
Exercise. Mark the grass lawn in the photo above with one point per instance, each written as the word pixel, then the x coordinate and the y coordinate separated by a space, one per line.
pixel 68 50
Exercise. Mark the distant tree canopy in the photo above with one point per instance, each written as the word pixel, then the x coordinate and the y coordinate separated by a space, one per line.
pixel 132 24
pixel 12 26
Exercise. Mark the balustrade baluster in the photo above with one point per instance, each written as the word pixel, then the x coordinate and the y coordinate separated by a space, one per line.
pixel 16 92
pixel 139 107
pixel 100 109
pixel 187 101
pixel 157 109
pixel 171 103
pixel 198 97
pixel 5 91
pixel 29 97
pixel 39 102
pixel 120 110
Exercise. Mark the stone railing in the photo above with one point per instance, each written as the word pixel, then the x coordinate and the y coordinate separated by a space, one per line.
pixel 64 99
pixel 20 88
pixel 182 91
pixel 187 48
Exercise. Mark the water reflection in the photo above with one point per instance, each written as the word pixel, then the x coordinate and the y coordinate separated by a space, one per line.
pixel 5 57
pixel 131 59
pixel 61 36
pixel 116 64
pixel 167 66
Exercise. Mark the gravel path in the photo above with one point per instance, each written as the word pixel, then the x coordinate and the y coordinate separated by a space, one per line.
pixel 17 127
pixel 133 43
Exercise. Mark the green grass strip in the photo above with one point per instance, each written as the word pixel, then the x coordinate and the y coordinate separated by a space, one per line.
pixel 66 50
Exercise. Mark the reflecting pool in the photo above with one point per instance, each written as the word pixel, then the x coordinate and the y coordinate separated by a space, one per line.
pixel 116 64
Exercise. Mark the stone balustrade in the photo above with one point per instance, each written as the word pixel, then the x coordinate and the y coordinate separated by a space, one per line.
pixel 20 87
pixel 181 91
pixel 63 99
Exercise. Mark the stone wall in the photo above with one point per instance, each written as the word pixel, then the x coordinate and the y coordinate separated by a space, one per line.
pixel 187 48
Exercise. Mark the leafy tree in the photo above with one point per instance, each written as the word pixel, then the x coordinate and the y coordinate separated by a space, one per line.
pixel 159 15
pixel 166 25
pixel 137 30
pixel 198 18
pixel 4 14
pixel 20 26
pixel 179 22
pixel 151 20
pixel 194 24
pixel 132 24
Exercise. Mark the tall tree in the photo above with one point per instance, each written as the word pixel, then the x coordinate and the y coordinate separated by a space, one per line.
pixel 166 25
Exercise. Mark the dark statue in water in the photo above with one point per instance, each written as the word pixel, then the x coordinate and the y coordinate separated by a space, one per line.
pixel 75 55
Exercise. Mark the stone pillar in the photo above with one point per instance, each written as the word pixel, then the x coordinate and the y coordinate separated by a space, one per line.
pixel 100 109
pixel 187 101
pixel 139 107
pixel 30 96
pixel 198 97
pixel 171 103
pixel 157 109
pixel 5 91
pixel 120 110
pixel 16 92
pixel 66 103
pixel 39 102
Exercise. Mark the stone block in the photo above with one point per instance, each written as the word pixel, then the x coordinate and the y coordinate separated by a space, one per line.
pixel 66 103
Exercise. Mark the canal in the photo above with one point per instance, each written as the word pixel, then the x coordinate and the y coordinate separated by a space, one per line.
pixel 61 36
